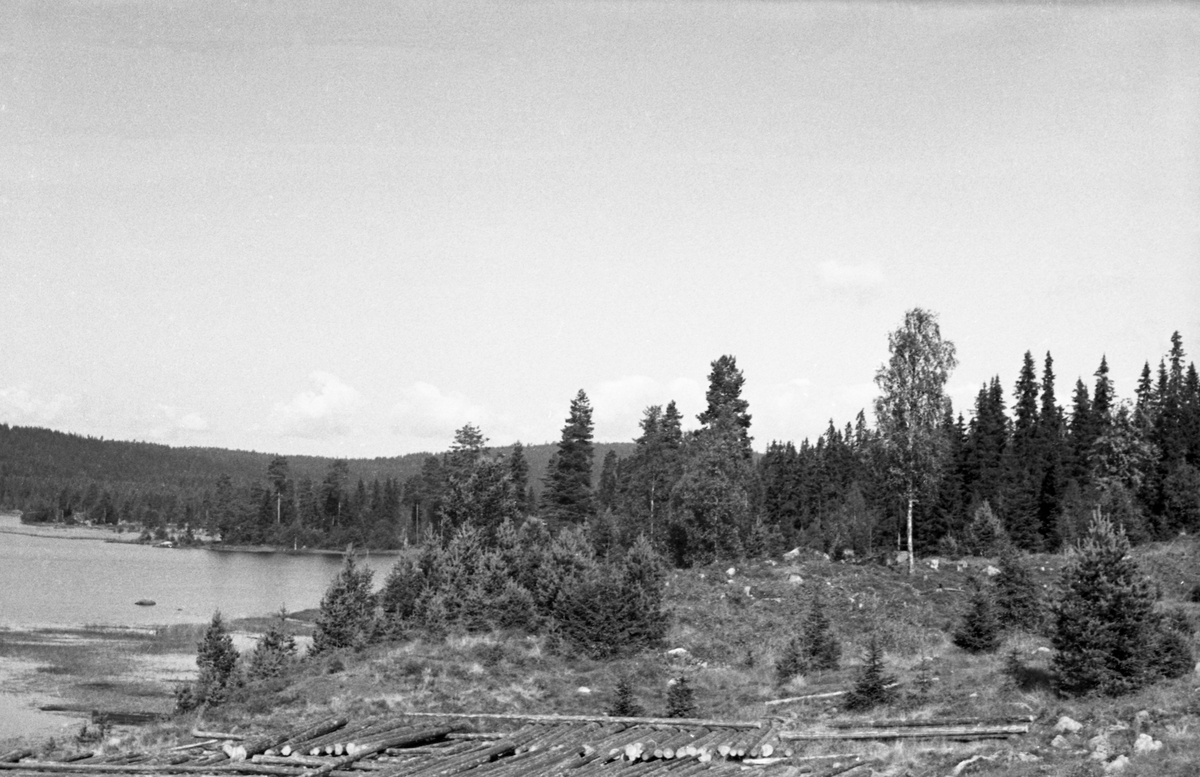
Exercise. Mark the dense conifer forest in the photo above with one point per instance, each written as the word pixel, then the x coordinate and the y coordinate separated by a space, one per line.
pixel 1021 464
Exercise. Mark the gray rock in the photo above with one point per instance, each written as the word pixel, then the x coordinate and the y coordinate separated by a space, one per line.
pixel 1067 725
pixel 1120 763
pixel 1060 742
pixel 1146 744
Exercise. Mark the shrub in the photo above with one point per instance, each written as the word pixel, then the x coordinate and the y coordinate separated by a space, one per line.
pixel 681 699
pixel 1105 625
pixel 625 703
pixel 873 687
pixel 979 631
pixel 347 615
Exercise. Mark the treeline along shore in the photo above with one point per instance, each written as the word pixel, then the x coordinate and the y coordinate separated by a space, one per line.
pixel 1019 462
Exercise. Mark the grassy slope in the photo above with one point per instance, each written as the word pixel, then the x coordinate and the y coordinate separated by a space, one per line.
pixel 733 637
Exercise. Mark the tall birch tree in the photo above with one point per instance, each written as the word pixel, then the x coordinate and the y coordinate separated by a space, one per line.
pixel 910 407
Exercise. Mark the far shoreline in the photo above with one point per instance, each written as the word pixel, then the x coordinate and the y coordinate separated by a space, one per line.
pixel 110 534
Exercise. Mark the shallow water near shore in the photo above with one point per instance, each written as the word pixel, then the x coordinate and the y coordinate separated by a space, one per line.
pixel 72 633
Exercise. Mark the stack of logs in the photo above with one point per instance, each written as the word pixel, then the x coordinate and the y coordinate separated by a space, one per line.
pixel 443 744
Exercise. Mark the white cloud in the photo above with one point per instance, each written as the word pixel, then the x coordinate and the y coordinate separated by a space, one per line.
pixel 424 412
pixel 618 405
pixel 851 276
pixel 18 405
pixel 168 424
pixel 327 411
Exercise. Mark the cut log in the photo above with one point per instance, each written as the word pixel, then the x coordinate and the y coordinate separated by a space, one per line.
pixel 194 745
pixel 677 722
pixel 957 732
pixel 12 756
pixel 409 737
pixel 199 734
pixel 942 722
pixel 262 744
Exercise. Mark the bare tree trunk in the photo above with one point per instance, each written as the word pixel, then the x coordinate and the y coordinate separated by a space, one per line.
pixel 911 558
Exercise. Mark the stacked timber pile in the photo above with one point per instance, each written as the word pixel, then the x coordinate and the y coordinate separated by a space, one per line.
pixel 443 744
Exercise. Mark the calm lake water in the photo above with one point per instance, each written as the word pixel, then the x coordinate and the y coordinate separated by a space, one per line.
pixel 48 581
pixel 56 582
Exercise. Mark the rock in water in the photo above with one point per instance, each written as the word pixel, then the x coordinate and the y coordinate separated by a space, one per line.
pixel 145 602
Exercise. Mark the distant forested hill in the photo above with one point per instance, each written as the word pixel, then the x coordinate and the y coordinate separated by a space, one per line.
pixel 46 468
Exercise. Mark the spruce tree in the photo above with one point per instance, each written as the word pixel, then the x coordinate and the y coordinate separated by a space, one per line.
pixel 347 614
pixel 1104 617
pixel 979 631
pixel 625 704
pixel 821 649
pixel 1018 601
pixel 1050 460
pixel 216 658
pixel 681 699
pixel 276 649
pixel 871 689
pixel 518 469
pixel 606 492
pixel 568 498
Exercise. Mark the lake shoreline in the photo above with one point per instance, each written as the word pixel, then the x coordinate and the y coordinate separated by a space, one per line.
pixel 132 537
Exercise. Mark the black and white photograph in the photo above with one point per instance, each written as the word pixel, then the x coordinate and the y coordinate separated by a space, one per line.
pixel 582 387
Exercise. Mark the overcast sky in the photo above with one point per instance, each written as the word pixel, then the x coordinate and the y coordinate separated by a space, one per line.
pixel 349 229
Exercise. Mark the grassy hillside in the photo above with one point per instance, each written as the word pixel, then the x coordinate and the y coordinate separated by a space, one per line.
pixel 732 627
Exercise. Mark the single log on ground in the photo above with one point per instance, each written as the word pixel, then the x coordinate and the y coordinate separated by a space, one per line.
pixel 964 732
pixel 675 722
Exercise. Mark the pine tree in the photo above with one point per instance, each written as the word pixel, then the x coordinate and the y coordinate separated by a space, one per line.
pixel 873 686
pixel 1104 617
pixel 347 613
pixel 567 498
pixel 625 704
pixel 724 396
pixel 681 699
pixel 979 631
